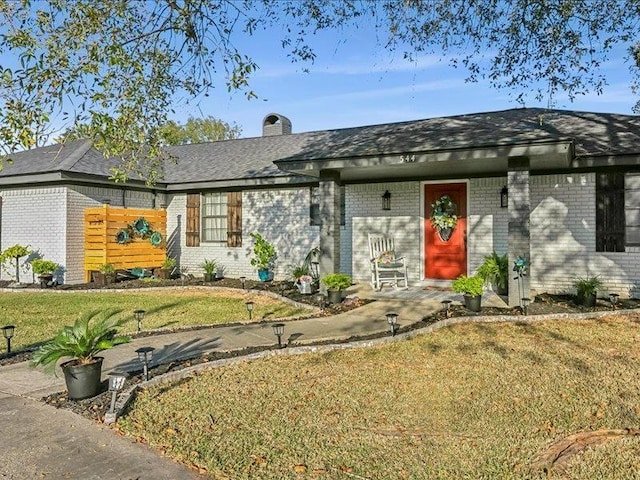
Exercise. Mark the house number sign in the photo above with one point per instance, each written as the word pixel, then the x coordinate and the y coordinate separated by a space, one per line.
pixel 407 158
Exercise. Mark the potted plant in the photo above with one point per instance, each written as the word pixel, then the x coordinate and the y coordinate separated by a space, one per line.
pixel 336 283
pixel 168 266
pixel 495 271
pixel 587 289
pixel 471 289
pixel 209 267
pixel 44 269
pixel 106 274
pixel 13 254
pixel 91 334
pixel 264 257
pixel 302 279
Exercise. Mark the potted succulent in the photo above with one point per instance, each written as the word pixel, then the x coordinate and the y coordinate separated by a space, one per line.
pixel 471 289
pixel 264 257
pixel 13 255
pixel 81 343
pixel 44 269
pixel 168 266
pixel 587 289
pixel 336 283
pixel 495 271
pixel 209 267
pixel 106 274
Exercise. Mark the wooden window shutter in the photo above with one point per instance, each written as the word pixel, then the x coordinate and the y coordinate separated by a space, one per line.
pixel 193 220
pixel 610 214
pixel 234 219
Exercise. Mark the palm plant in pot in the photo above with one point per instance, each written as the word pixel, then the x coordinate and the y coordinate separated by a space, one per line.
pixel 336 284
pixel 264 257
pixel 81 343
pixel 495 271
pixel 209 267
pixel 587 289
pixel 44 269
pixel 471 289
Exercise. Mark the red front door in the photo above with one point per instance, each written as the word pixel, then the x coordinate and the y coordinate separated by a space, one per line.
pixel 446 259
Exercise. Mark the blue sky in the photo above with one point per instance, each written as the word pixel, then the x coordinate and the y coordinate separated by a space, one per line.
pixel 354 81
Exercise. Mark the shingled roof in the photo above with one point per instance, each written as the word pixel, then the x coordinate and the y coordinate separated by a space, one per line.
pixel 593 134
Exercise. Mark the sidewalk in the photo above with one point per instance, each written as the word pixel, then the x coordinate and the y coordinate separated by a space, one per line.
pixel 39 441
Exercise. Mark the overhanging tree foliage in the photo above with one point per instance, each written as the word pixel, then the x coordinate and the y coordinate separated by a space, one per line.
pixel 119 66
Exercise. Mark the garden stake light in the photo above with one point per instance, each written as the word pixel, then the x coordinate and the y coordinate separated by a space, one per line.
pixel 278 331
pixel 249 308
pixel 321 301
pixel 613 298
pixel 243 281
pixel 145 354
pixel 7 331
pixel 525 305
pixel 446 304
pixel 392 320
pixel 139 315
pixel 116 382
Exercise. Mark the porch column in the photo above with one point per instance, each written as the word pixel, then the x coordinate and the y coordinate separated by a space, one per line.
pixel 330 222
pixel 519 233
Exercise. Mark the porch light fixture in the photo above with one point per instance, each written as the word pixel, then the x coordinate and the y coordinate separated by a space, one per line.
pixel 446 305
pixel 7 332
pixel 392 320
pixel 249 305
pixel 145 354
pixel 386 200
pixel 243 281
pixel 613 298
pixel 525 305
pixel 504 197
pixel 139 316
pixel 116 382
pixel 278 331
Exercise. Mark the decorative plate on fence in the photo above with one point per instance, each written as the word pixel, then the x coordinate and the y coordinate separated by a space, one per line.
pixel 123 236
pixel 141 226
pixel 155 239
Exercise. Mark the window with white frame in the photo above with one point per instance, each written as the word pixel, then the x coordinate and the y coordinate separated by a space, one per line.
pixel 214 217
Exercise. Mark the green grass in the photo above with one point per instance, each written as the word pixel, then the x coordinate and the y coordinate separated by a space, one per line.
pixel 468 402
pixel 38 316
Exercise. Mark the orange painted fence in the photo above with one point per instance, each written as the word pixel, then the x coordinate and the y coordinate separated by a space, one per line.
pixel 102 224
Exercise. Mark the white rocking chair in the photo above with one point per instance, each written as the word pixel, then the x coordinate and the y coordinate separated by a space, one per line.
pixel 385 266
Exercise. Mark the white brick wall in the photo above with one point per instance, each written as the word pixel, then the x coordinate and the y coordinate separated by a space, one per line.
pixel 281 216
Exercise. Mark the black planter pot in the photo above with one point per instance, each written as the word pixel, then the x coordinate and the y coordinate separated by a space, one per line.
pixel 46 280
pixel 209 277
pixel 472 303
pixel 588 300
pixel 334 296
pixel 83 381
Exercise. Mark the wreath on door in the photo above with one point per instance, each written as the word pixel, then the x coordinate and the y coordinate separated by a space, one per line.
pixel 444 216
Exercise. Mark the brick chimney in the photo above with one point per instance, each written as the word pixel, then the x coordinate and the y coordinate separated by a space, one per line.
pixel 275 124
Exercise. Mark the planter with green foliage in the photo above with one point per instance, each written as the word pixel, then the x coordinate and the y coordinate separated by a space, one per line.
pixel 81 342
pixel 44 269
pixel 12 255
pixel 587 289
pixel 168 266
pixel 471 288
pixel 336 283
pixel 264 257
pixel 209 267
pixel 106 274
pixel 495 271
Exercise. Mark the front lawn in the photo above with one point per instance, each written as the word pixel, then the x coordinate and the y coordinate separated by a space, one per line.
pixel 38 315
pixel 471 401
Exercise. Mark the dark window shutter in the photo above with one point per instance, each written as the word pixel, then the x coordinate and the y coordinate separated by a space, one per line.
pixel 234 219
pixel 610 216
pixel 193 220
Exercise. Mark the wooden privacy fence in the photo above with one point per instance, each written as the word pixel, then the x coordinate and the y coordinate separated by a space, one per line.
pixel 103 224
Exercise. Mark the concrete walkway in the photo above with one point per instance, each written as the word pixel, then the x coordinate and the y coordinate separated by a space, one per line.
pixel 39 441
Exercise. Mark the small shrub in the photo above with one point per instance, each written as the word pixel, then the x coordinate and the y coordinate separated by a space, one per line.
pixel 587 286
pixel 264 253
pixel 495 269
pixel 107 268
pixel 40 266
pixel 337 281
pixel 471 286
pixel 209 266
pixel 169 263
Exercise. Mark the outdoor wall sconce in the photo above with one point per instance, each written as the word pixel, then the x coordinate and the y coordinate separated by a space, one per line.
pixel 525 305
pixel 116 382
pixel 139 315
pixel 278 331
pixel 386 200
pixel 392 320
pixel 504 197
pixel 243 281
pixel 7 331
pixel 145 354
pixel 613 298
pixel 249 308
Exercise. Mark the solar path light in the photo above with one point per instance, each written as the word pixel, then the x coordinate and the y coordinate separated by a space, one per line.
pixel 278 331
pixel 7 332
pixel 392 320
pixel 139 316
pixel 145 354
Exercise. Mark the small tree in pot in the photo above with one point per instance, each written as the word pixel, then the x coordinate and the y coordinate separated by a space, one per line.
pixel 13 254
pixel 587 289
pixel 91 334
pixel 44 269
pixel 471 289
pixel 264 257
pixel 336 283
